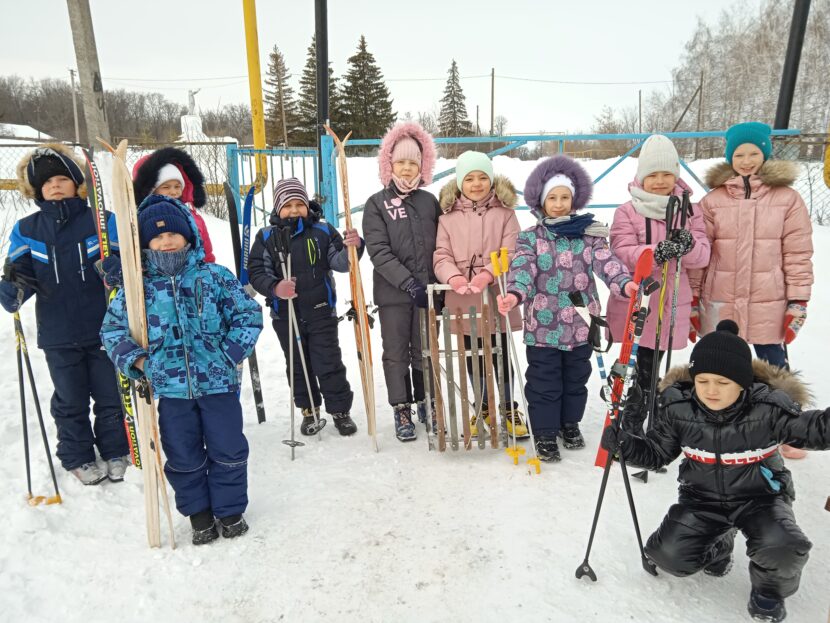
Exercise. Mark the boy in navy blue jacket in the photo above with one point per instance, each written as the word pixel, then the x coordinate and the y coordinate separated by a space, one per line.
pixel 52 255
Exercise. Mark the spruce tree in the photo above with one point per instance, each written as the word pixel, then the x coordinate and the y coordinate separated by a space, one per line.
pixel 367 106
pixel 307 104
pixel 452 120
pixel 281 116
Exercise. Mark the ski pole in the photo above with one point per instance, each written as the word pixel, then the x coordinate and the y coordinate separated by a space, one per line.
pixel 513 450
pixel 685 207
pixel 292 443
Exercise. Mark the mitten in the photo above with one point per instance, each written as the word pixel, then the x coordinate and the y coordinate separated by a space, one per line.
pixel 458 284
pixel 507 302
pixel 351 238
pixel 480 281
pixel 666 250
pixel 694 319
pixel 110 271
pixel 684 238
pixel 794 319
pixel 286 289
pixel 612 438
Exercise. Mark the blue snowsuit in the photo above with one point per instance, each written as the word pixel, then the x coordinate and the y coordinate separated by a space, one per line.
pixel 201 325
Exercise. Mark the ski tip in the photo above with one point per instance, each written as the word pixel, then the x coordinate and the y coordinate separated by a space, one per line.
pixel 644 265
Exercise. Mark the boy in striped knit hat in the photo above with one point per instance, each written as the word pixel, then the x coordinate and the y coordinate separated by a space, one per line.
pixel 310 251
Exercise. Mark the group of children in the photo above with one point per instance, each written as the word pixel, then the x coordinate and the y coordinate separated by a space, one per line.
pixel 746 271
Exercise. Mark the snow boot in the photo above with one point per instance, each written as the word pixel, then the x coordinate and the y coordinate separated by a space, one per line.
pixel 547 448
pixel 204 527
pixel 89 473
pixel 421 408
pixel 721 556
pixel 572 438
pixel 233 526
pixel 514 421
pixel 309 427
pixel 117 466
pixel 344 424
pixel 763 608
pixel 404 428
pixel 483 419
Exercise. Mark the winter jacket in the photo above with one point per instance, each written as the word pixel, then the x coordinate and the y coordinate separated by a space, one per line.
pixel 630 236
pixel 546 268
pixel 468 232
pixel 145 173
pixel 200 325
pixel 731 455
pixel 316 249
pixel 762 251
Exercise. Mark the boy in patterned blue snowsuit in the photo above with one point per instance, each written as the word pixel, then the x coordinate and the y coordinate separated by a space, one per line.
pixel 201 325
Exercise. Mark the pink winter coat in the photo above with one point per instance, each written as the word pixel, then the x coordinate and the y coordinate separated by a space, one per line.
pixel 467 233
pixel 628 240
pixel 762 249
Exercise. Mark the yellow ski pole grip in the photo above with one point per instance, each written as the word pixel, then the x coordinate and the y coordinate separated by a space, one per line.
pixel 505 264
pixel 494 260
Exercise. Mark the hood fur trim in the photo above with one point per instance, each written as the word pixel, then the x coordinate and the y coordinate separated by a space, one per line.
pixel 773 173
pixel 146 170
pixel 25 186
pixel 505 192
pixel 777 378
pixel 420 136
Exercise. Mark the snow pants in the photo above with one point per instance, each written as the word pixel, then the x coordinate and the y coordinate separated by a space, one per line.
pixel 324 361
pixel 400 333
pixel 78 374
pixel 691 534
pixel 207 453
pixel 556 387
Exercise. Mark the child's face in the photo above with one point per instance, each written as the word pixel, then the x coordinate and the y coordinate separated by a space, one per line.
pixel 406 169
pixel 558 202
pixel 58 187
pixel 659 183
pixel 168 241
pixel 476 185
pixel 294 208
pixel 170 188
pixel 715 391
pixel 747 159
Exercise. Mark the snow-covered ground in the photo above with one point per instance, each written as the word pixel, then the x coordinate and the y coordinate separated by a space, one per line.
pixel 345 534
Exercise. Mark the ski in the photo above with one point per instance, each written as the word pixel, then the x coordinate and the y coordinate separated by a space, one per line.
pixel 125 388
pixel 241 265
pixel 148 433
pixel 361 316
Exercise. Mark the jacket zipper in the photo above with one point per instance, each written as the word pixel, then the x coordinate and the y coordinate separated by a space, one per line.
pixel 747 188
pixel 81 258
pixel 718 464
pixel 55 263
pixel 184 345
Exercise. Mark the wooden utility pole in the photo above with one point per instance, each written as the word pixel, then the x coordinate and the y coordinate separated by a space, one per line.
pixel 74 106
pixel 640 107
pixel 89 73
pixel 699 111
pixel 492 101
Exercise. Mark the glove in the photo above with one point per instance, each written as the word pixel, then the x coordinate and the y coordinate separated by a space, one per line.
pixel 17 279
pixel 631 289
pixel 612 438
pixel 507 302
pixel 694 319
pixel 794 319
pixel 417 291
pixel 286 289
pixel 459 284
pixel 109 269
pixel 684 238
pixel 480 281
pixel 351 238
pixel 667 250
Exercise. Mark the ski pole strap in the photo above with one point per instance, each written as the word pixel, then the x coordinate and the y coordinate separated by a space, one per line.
pixel 595 324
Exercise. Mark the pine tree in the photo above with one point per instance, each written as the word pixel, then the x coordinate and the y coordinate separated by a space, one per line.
pixel 307 104
pixel 367 106
pixel 452 120
pixel 281 116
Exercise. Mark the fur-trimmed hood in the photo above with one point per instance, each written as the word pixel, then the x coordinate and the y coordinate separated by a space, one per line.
pixel 420 136
pixel 773 173
pixel 504 189
pixel 146 170
pixel 24 185
pixel 546 169
pixel 774 377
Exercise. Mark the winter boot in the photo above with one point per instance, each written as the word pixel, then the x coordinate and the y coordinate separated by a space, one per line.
pixel 422 411
pixel 89 473
pixel 572 438
pixel 117 466
pixel 204 527
pixel 309 426
pixel 721 556
pixel 483 419
pixel 344 424
pixel 233 526
pixel 763 608
pixel 404 428
pixel 547 448
pixel 513 421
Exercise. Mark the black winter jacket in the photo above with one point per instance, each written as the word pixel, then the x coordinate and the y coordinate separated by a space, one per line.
pixel 731 455
pixel 400 236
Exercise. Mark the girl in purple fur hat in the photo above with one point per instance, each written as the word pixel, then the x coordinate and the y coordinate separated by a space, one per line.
pixel 557 256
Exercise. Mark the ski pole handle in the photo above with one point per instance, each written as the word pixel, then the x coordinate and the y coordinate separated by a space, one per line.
pixel 505 264
pixel 494 260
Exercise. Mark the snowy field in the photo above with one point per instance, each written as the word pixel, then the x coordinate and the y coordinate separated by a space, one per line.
pixel 345 534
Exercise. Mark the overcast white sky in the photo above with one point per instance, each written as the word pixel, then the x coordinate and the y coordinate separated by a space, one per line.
pixel 174 45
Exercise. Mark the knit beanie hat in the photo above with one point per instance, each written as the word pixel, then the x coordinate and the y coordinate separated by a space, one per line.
pixel 46 163
pixel 162 217
pixel 406 149
pixel 725 353
pixel 750 132
pixel 167 173
pixel 471 161
pixel 288 189
pixel 658 153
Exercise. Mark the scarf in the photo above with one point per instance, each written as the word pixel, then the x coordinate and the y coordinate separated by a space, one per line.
pixel 403 187
pixel 168 262
pixel 575 225
pixel 649 205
